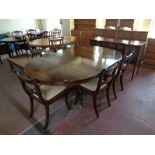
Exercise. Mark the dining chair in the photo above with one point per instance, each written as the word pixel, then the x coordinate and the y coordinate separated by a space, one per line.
pixel 111 23
pixel 123 64
pixel 56 43
pixel 33 51
pixel 56 32
pixel 126 24
pixel 44 94
pixel 45 34
pixel 32 34
pixel 102 81
pixel 19 42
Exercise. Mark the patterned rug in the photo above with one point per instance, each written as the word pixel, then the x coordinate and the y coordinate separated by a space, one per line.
pixel 132 113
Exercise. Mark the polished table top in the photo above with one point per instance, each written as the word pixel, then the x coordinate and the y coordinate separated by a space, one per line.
pixel 44 42
pixel 125 42
pixel 71 66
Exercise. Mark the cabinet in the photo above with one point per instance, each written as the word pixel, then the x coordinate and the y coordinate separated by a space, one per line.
pixel 84 24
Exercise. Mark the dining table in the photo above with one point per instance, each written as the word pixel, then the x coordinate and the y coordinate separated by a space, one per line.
pixel 67 67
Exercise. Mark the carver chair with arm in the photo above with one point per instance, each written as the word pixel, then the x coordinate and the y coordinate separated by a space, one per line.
pixel 44 94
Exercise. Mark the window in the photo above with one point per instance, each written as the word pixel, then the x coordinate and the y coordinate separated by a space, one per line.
pixel 53 23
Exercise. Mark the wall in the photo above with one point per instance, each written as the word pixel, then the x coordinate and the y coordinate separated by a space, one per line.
pixel 9 25
pixel 142 24
pixel 65 26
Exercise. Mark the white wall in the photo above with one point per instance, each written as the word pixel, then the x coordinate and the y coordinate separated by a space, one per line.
pixel 9 25
pixel 65 26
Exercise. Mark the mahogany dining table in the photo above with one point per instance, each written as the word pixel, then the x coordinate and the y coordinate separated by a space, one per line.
pixel 68 67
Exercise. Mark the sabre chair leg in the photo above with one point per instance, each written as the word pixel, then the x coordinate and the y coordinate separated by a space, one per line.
pixel 31 105
pixel 114 88
pixel 138 68
pixel 134 68
pixel 95 106
pixel 121 82
pixel 47 116
pixel 107 94
pixel 66 101
pixel 1 60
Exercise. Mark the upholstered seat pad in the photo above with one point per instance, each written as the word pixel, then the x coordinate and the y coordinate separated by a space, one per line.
pixel 49 92
pixel 123 66
pixel 92 85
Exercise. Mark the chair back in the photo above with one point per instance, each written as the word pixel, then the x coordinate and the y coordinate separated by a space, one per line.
pixel 28 42
pixel 18 35
pixel 126 59
pixel 56 43
pixel 30 86
pixel 45 34
pixel 56 32
pixel 126 23
pixel 111 23
pixel 107 76
pixel 19 42
pixel 32 34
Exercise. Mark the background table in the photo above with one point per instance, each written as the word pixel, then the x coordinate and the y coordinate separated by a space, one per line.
pixel 44 42
pixel 124 46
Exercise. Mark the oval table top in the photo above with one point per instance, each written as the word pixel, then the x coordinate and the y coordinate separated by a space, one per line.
pixel 71 66
pixel 44 42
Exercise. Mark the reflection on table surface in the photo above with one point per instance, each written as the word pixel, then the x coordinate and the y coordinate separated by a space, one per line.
pixel 72 65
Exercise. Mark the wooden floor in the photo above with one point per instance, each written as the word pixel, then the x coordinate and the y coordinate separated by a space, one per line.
pixel 132 113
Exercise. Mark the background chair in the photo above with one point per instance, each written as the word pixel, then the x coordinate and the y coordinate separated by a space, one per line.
pixel 44 94
pixel 111 23
pixel 20 42
pixel 33 51
pixel 56 43
pixel 121 69
pixel 102 81
pixel 32 34
pixel 126 24
pixel 4 49
pixel 45 34
pixel 56 32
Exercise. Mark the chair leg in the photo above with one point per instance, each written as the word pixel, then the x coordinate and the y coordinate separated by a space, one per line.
pixel 107 94
pixel 138 68
pixel 95 107
pixel 47 116
pixel 66 101
pixel 77 95
pixel 114 89
pixel 121 82
pixel 134 68
pixel 31 105
pixel 1 60
pixel 11 67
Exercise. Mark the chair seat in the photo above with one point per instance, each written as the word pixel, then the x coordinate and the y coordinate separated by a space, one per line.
pixel 48 92
pixel 92 85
